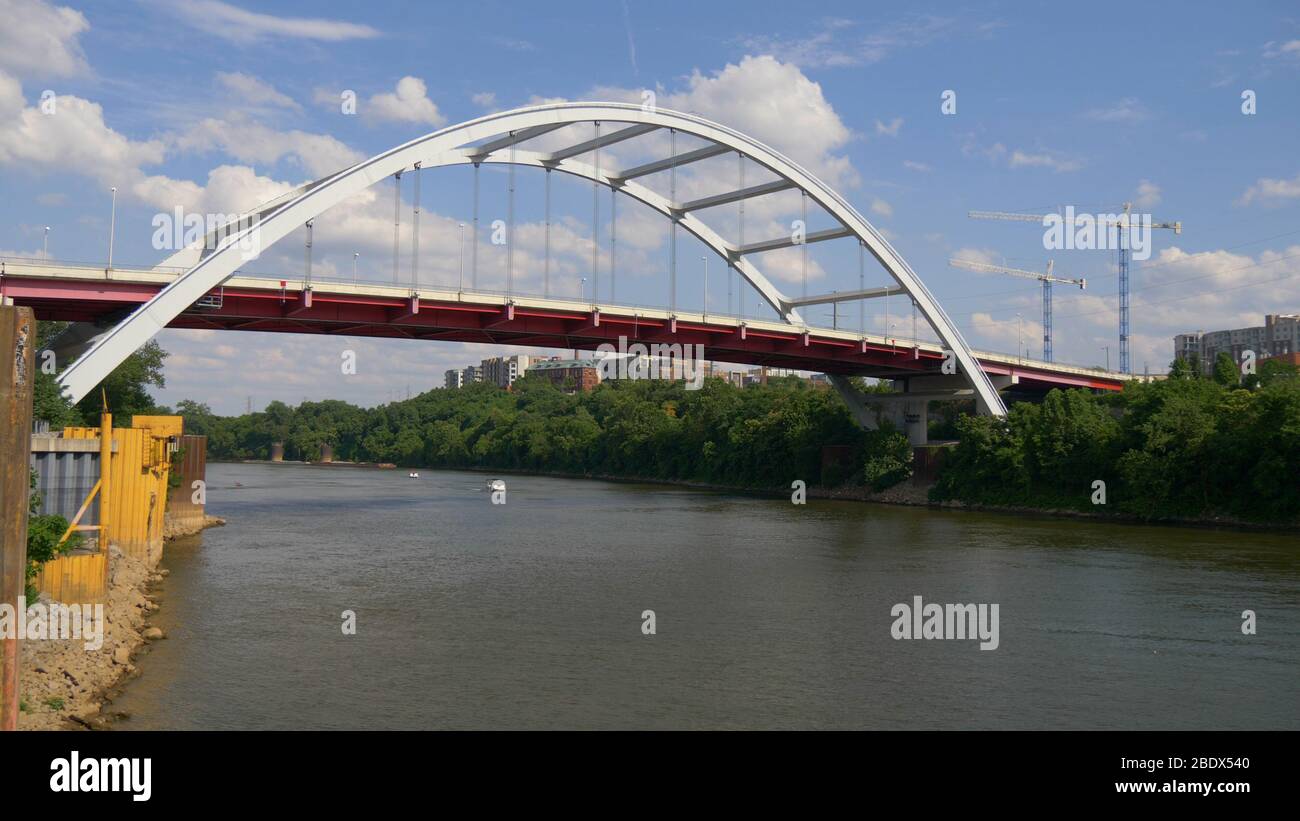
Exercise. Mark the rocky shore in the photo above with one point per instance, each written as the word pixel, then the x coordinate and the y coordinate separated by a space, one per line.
pixel 62 683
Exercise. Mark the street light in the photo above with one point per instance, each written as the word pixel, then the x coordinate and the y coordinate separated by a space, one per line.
pixel 355 254
pixel 112 229
pixel 1106 348
pixel 582 290
pixel 1020 335
pixel 45 250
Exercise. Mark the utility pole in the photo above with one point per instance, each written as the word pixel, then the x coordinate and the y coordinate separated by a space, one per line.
pixel 45 249
pixel 17 377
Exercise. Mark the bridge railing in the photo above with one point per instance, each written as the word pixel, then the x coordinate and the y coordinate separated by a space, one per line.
pixel 903 340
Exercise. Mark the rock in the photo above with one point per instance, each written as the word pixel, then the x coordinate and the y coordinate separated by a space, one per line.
pixel 154 633
pixel 164 573
pixel 122 655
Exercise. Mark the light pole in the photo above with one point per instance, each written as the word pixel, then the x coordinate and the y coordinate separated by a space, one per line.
pixel 1020 335
pixel 461 287
pixel 45 249
pixel 1106 348
pixel 582 290
pixel 355 254
pixel 112 229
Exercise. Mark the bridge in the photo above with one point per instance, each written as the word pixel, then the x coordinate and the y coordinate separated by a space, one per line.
pixel 203 286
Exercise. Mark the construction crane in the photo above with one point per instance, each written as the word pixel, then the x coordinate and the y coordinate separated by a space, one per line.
pixel 1046 278
pixel 1125 255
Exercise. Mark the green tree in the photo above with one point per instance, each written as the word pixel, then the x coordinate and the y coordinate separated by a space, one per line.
pixel 1225 370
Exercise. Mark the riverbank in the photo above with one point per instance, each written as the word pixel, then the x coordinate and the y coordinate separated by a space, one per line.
pixel 63 685
pixel 911 493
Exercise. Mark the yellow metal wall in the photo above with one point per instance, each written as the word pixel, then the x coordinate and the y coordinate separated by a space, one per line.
pixel 76 579
pixel 137 495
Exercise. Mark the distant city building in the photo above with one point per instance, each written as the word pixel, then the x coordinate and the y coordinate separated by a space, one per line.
pixel 454 378
pixel 502 371
pixel 577 374
pixel 1278 336
pixel 471 374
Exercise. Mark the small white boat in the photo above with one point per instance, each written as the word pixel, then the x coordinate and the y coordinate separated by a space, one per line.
pixel 413 475
pixel 496 485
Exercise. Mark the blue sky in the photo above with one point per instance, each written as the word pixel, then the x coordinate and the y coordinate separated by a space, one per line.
pixel 216 106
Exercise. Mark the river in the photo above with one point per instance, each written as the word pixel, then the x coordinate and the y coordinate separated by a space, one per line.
pixel 767 614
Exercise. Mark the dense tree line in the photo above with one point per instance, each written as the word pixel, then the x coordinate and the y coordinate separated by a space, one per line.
pixel 760 436
pixel 1188 446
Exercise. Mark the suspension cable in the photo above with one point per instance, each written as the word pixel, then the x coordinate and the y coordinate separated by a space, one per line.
pixel 803 237
pixel 510 223
pixel 672 241
pixel 546 266
pixel 613 237
pixel 415 233
pixel 473 249
pixel 740 241
pixel 862 286
pixel 595 225
pixel 397 222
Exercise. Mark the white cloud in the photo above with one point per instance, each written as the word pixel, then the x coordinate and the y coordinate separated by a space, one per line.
pixel 881 208
pixel 1127 110
pixel 1290 48
pixel 239 25
pixel 1044 159
pixel 891 130
pixel 75 136
pixel 1148 194
pixel 38 39
pixel 913 165
pixel 485 99
pixel 254 92
pixel 771 101
pixel 1271 191
pixel 842 43
pixel 251 142
pixel 409 103
pixel 984 255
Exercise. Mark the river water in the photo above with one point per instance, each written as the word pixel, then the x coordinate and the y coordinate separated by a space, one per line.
pixel 767 614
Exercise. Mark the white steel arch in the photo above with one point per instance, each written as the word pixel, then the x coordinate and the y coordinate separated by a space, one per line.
pixel 479 141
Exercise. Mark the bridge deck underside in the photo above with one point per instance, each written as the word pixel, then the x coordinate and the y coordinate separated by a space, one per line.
pixel 465 321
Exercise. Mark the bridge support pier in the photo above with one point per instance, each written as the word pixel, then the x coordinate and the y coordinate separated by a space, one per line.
pixel 916 421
